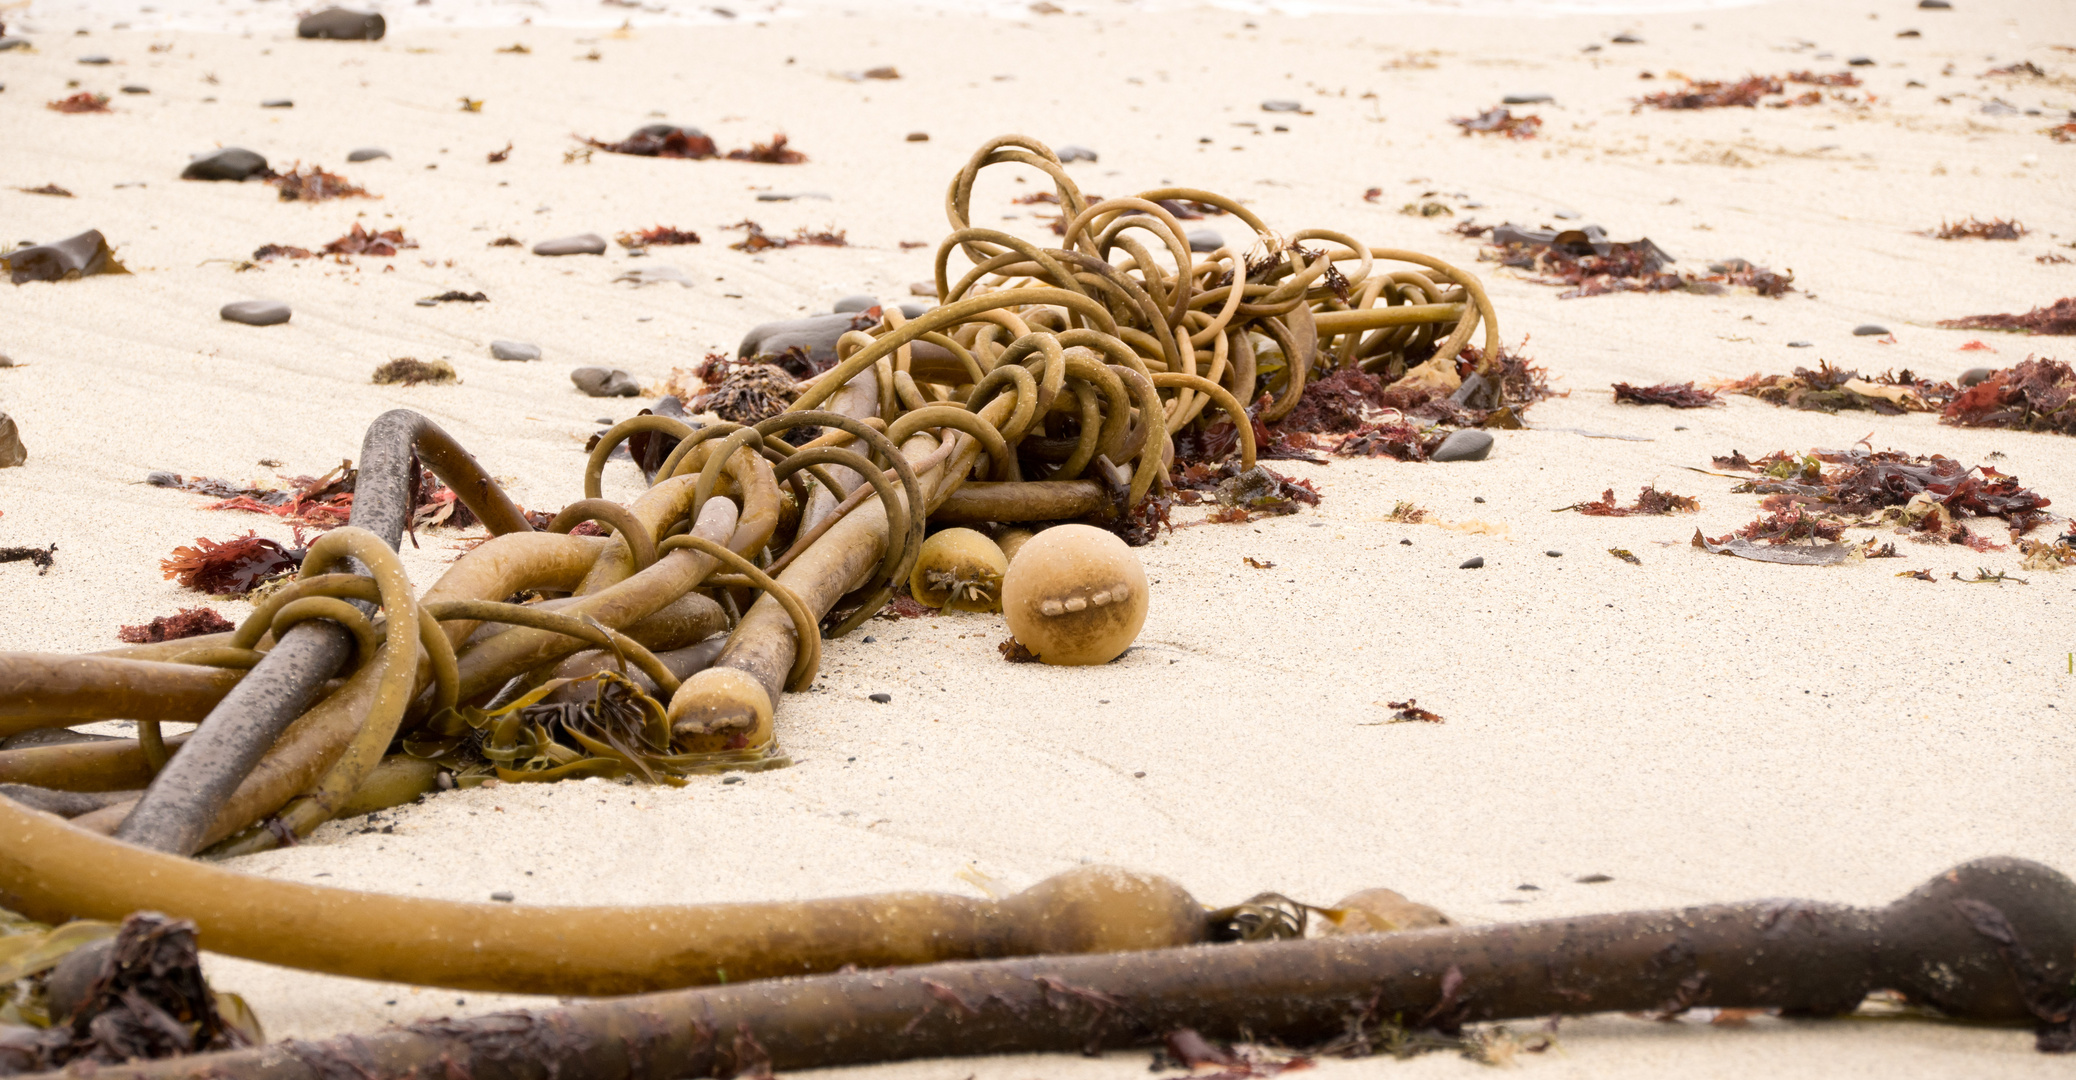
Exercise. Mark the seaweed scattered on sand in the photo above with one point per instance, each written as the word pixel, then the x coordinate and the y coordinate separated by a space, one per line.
pixel 657 236
pixel 747 393
pixel 497 156
pixel 231 568
pixel 756 239
pixel 660 140
pixel 1409 711
pixel 1678 395
pixel 1626 556
pixel 1244 495
pixel 1500 120
pixel 2032 395
pixel 315 185
pixel 2061 133
pixel 1649 501
pixel 775 152
pixel 410 371
pixel 47 189
pixel 319 502
pixel 185 623
pixel 41 558
pixel 1828 389
pixel 1013 651
pixel 459 297
pixel 1750 92
pixel 359 241
pixel 1592 265
pixel 2023 69
pixel 1971 229
pixel 2058 318
pixel 82 102
pixel 1924 496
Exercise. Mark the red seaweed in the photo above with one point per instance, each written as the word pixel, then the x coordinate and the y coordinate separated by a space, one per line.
pixel 185 623
pixel 231 568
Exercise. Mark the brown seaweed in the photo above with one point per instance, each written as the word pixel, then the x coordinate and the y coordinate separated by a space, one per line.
pixel 410 371
pixel 1649 501
pixel 1927 495
pixel 1678 395
pixel 657 236
pixel 315 185
pixel 231 568
pixel 1828 389
pixel 359 241
pixel 660 140
pixel 41 558
pixel 748 393
pixel 185 623
pixel 1800 555
pixel 1748 92
pixel 2058 318
pixel 775 152
pixel 82 102
pixel 756 239
pixel 47 189
pixel 2032 395
pixel 1499 120
pixel 1592 265
pixel 1971 229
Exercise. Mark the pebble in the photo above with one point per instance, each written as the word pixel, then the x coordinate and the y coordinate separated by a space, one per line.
pixel 1869 330
pixel 1070 154
pixel 581 244
pixel 95 61
pixel 923 288
pixel 882 698
pixel 1472 563
pixel 1526 99
pixel 1975 375
pixel 816 335
pixel 1469 444
pixel 1860 61
pixel 339 24
pixel 918 136
pixel 1205 240
pixel 1800 344
pixel 859 302
pixel 1554 553
pixel 1282 106
pixel 12 452
pixel 503 897
pixel 7 43
pixel 1626 38
pixel 514 350
pixel 367 153
pixel 1936 5
pixel 255 312
pixel 135 88
pixel 6 360
pixel 277 103
pixel 655 275
pixel 228 163
pixel 1407 543
pixel 605 382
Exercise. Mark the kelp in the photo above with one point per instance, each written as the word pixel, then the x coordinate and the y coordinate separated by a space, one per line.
pixel 315 185
pixel 359 241
pixel 2057 318
pixel 659 140
pixel 411 371
pixel 775 152
pixel 1499 120
pixel 1678 395
pixel 41 558
pixel 185 623
pixel 2032 395
pixel 1971 229
pixel 755 239
pixel 230 568
pixel 1649 501
pixel 748 393
pixel 1799 555
pixel 70 259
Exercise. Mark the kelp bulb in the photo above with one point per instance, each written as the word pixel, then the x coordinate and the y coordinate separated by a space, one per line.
pixel 959 570
pixel 1075 594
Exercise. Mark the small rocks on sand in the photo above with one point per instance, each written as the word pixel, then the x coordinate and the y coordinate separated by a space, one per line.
pixel 340 24
pixel 227 163
pixel 605 382
pixel 1554 553
pixel 1975 375
pixel 95 61
pixel 278 103
pixel 367 153
pixel 1936 5
pixel 514 350
pixel 1282 106
pixel 582 244
pixel 1801 344
pixel 136 88
pixel 1469 444
pixel 1205 240
pixel 1472 563
pixel 882 698
pixel 1526 99
pixel 1070 154
pixel 859 302
pixel 256 312
pixel 918 136
pixel 12 452
pixel 1869 330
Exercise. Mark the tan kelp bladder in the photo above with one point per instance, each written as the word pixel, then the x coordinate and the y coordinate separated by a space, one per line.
pixel 1075 595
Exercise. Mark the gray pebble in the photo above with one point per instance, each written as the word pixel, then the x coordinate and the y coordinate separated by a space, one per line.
pixel 859 302
pixel 581 244
pixel 6 360
pixel 1869 330
pixel 7 43
pixel 1936 5
pixel 1281 106
pixel 1860 61
pixel 1800 344
pixel 1469 444
pixel 1976 375
pixel 66 987
pixel 1069 154
pixel 367 153
pixel 882 698
pixel 96 61
pixel 503 897
pixel 1407 543
pixel 1205 240
pixel 1526 99
pixel 278 103
pixel 1472 563
pixel 731 779
pixel 255 312
pixel 816 335
pixel 605 382
pixel 514 350
pixel 1626 38
pixel 136 88
pixel 1554 553
pixel 340 24
pixel 227 163
pixel 12 452
pixel 427 302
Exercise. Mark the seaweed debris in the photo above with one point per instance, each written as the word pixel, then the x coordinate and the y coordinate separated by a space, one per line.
pixel 1925 496
pixel 1592 265
pixel 1256 492
pixel 1014 651
pixel 2058 318
pixel 656 237
pixel 457 296
pixel 315 185
pixel 756 239
pixel 775 152
pixel 1971 229
pixel 1626 556
pixel 82 102
pixel 2032 395
pixel 1678 395
pixel 410 371
pixel 185 623
pixel 1500 120
pixel 1796 555
pixel 660 140
pixel 147 1000
pixel 359 241
pixel 748 393
pixel 1409 711
pixel 1649 501
pixel 1828 389
pixel 41 558
pixel 47 189
pixel 2061 133
pixel 319 502
pixel 1750 92
pixel 232 568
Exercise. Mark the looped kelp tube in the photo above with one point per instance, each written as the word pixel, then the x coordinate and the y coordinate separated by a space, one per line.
pixel 1047 386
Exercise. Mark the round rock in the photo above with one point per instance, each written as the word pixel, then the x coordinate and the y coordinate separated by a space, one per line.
pixel 1205 240
pixel 514 350
pixel 605 382
pixel 1469 444
pixel 1869 330
pixel 1070 154
pixel 367 153
pixel 340 24
pixel 12 452
pixel 882 698
pixel 1472 563
pixel 1976 375
pixel 256 312
pixel 136 88
pixel 1526 99
pixel 227 163
pixel 860 302
pixel 581 244
pixel 1554 553
pixel 1800 344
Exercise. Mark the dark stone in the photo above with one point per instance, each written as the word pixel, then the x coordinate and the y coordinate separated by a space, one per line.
pixel 1869 330
pixel 1472 563
pixel 1476 393
pixel 228 163
pixel 367 153
pixel 1204 240
pixel 62 260
pixel 12 452
pixel 1936 5
pixel 7 43
pixel 1626 38
pixel 1282 106
pixel 918 136
pixel 1554 553
pixel 95 61
pixel 1526 99
pixel 339 24
pixel 1860 61
pixel 860 302
pixel 1071 154
pixel 66 988
pixel 514 350
pixel 605 382
pixel 815 335
pixel 135 88
pixel 1975 375
pixel 1407 543
pixel 882 698
pixel 1469 444
pixel 278 103
pixel 503 897
pixel 1800 344
pixel 256 312
pixel 581 244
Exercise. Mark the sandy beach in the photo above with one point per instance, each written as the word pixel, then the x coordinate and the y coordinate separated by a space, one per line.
pixel 1695 728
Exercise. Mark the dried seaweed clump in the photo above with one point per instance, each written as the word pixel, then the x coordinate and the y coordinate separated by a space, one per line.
pixel 1926 496
pixel 1678 395
pixel 2061 133
pixel 1256 492
pixel 315 185
pixel 748 393
pixel 185 623
pixel 82 102
pixel 775 152
pixel 1971 229
pixel 360 241
pixel 661 140
pixel 1750 92
pixel 321 502
pixel 1829 389
pixel 2033 395
pixel 1592 265
pixel 1500 121
pixel 2058 318
pixel 410 371
pixel 657 236
pixel 758 240
pixel 232 568
pixel 1649 501
pixel 148 1000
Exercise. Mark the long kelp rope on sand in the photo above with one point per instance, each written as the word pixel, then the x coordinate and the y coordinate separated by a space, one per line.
pixel 1049 385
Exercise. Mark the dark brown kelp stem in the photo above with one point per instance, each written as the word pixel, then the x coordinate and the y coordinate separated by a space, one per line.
pixel 1991 940
pixel 183 800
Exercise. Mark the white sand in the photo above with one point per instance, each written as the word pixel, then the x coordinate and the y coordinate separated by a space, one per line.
pixel 1700 728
